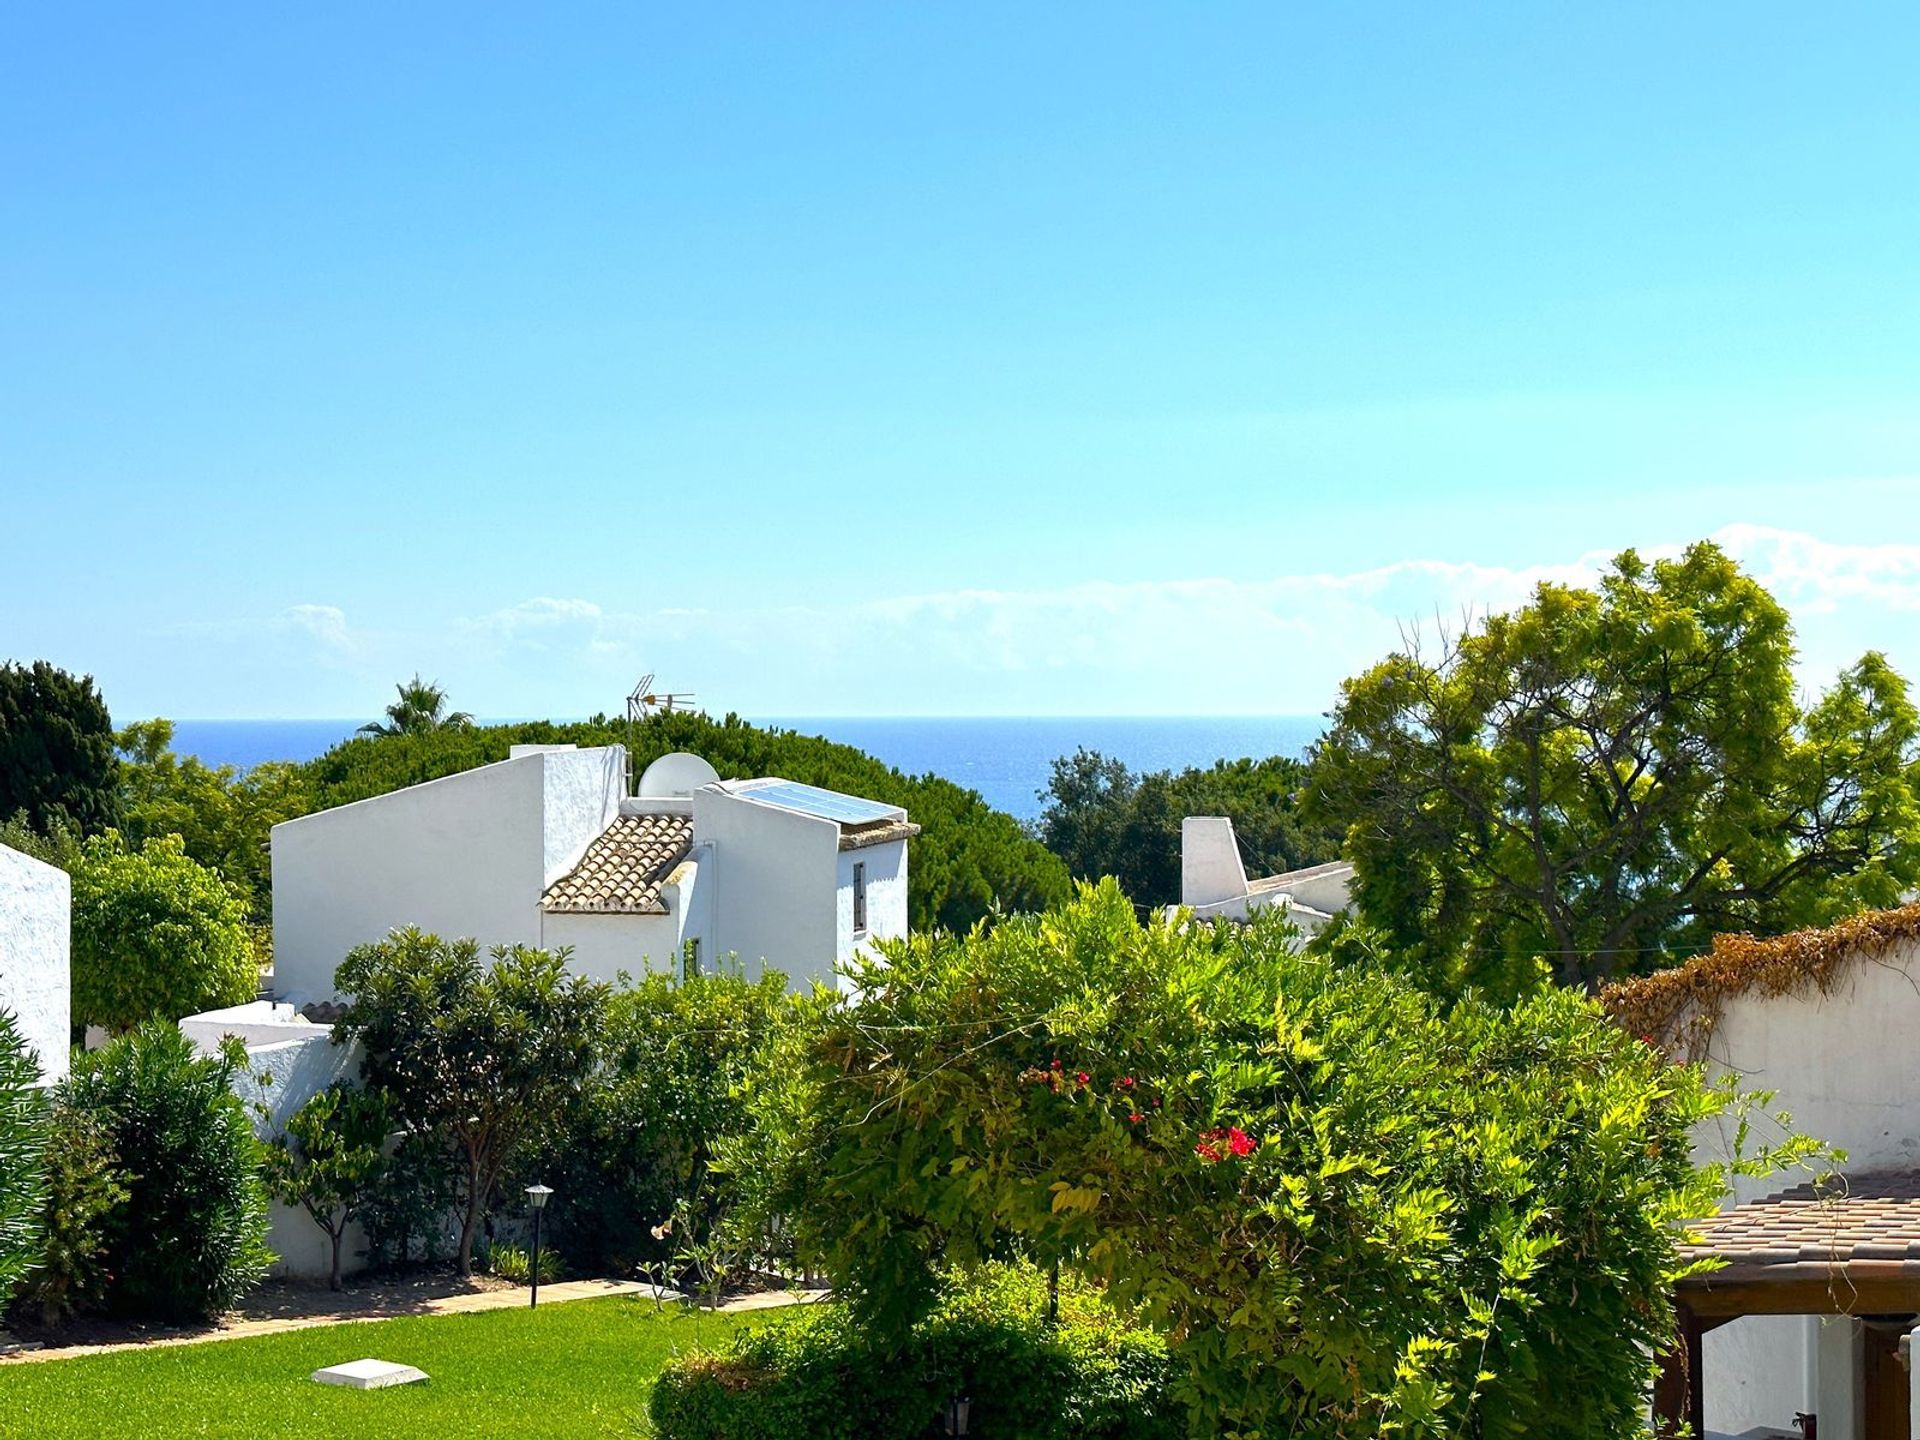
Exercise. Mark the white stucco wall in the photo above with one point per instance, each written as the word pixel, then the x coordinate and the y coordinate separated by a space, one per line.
pixel 36 902
pixel 258 1022
pixel 1211 869
pixel 296 1071
pixel 606 945
pixel 467 855
pixel 1843 1064
pixel 1759 1371
pixel 774 899
pixel 886 877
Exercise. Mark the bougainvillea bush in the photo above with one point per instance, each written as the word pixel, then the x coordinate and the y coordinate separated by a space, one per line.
pixel 1351 1210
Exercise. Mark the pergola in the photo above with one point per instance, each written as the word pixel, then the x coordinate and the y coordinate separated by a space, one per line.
pixel 1843 1246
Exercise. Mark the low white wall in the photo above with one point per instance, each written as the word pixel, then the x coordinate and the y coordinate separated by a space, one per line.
pixel 1843 1064
pixel 259 1022
pixel 36 903
pixel 296 1071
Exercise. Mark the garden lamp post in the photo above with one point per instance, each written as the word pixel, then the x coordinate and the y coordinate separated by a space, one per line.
pixel 536 1197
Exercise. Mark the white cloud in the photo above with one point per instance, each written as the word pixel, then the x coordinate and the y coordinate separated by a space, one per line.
pixel 1196 646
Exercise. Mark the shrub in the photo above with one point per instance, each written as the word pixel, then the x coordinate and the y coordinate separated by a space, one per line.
pixel 86 1191
pixel 155 935
pixel 22 1179
pixel 665 1089
pixel 328 1159
pixel 510 1262
pixel 483 1059
pixel 407 1203
pixel 1355 1210
pixel 191 1238
pixel 817 1373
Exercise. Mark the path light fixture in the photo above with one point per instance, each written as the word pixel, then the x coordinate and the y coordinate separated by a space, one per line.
pixel 537 1198
pixel 960 1416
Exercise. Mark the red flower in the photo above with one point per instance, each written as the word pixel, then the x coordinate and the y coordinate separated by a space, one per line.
pixel 1056 1064
pixel 1126 1082
pixel 1080 1077
pixel 1216 1144
pixel 1136 1117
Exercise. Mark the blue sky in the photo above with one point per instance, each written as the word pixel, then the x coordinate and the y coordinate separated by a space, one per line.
pixel 911 359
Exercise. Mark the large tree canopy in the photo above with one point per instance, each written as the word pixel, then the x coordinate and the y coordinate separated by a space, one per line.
pixel 1600 781
pixel 57 765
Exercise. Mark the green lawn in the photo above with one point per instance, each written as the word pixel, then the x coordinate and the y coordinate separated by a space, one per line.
pixel 579 1369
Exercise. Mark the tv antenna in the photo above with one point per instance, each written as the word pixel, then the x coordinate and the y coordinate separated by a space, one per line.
pixel 644 703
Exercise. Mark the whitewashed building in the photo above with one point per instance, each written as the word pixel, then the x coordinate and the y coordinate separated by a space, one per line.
pixel 547 849
pixel 1214 883
pixel 36 902
pixel 1813 1311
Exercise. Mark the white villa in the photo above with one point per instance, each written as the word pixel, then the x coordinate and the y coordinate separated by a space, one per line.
pixel 1214 883
pixel 546 848
pixel 1813 1314
pixel 36 955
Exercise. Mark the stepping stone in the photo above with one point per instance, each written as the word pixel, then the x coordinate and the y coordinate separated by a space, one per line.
pixel 369 1375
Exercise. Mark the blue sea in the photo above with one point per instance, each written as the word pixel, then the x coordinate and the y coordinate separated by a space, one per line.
pixel 1006 758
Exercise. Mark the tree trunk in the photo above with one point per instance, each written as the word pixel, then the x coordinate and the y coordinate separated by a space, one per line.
pixel 333 1275
pixel 471 1221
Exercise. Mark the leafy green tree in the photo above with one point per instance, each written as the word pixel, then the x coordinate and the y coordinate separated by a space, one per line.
pixel 328 1159
pixel 221 815
pixel 1353 1210
pixel 970 861
pixel 56 750
pixel 191 1238
pixel 666 1090
pixel 421 708
pixel 155 935
pixel 1598 782
pixel 1103 819
pixel 22 1173
pixel 485 1058
pixel 87 1187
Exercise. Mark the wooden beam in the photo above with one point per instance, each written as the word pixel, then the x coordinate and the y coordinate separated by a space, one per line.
pixel 1848 1291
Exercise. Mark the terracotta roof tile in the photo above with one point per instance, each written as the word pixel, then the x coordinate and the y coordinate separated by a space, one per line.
pixel 624 868
pixel 1831 1221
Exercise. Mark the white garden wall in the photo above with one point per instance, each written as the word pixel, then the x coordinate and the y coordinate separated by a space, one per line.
pixel 36 985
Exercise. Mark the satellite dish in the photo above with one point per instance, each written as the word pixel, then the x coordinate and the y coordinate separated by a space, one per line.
pixel 676 776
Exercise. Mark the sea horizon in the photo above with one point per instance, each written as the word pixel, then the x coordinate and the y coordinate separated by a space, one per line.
pixel 1007 758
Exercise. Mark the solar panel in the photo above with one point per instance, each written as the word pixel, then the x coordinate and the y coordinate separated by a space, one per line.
pixel 827 804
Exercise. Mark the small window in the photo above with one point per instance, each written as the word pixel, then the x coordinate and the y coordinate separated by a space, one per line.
pixel 860 897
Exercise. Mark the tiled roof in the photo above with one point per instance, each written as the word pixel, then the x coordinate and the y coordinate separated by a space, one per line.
pixel 859 837
pixel 1820 1224
pixel 623 869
